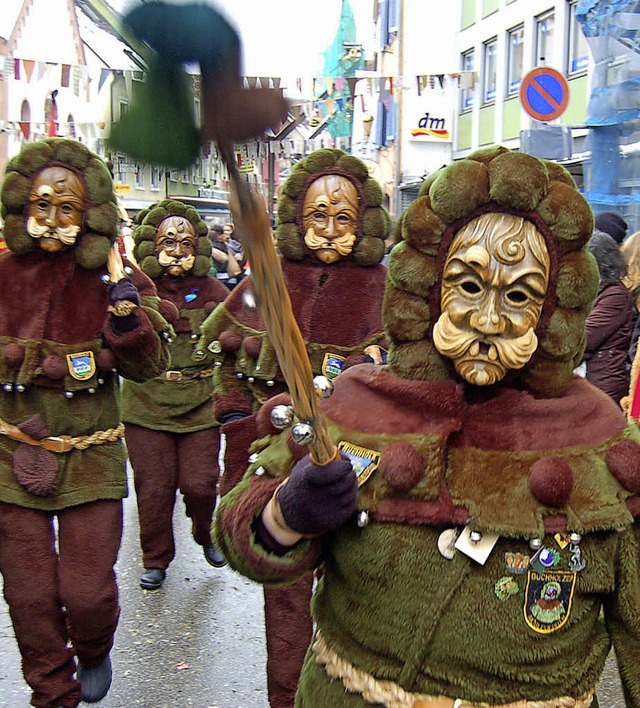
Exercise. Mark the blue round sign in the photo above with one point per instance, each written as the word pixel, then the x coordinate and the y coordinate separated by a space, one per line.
pixel 544 93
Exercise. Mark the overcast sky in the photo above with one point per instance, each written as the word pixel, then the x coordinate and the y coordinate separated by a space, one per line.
pixel 283 37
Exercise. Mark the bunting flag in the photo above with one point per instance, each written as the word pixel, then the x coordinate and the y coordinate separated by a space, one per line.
pixel 65 75
pixel 104 74
pixel 29 66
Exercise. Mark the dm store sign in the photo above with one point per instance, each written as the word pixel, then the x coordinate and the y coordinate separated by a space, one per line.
pixel 434 124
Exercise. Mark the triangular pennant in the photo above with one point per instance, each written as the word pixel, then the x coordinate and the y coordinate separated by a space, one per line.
pixel 252 81
pixel 440 80
pixel 352 81
pixel 264 81
pixel 42 67
pixel 29 66
pixel 275 80
pixel 103 77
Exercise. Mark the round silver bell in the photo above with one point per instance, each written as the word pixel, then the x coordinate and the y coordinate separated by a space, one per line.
pixel 198 355
pixel 281 417
pixel 323 386
pixel 270 382
pixel 475 537
pixel 91 390
pixel 259 471
pixel 535 544
pixel 252 458
pixel 217 363
pixel 303 434
pixel 240 375
pixel 68 394
pixel 100 381
pixel 195 336
pixel 128 270
pixel 250 379
pixel 575 538
pixel 7 387
pixel 20 388
pixel 105 278
pixel 363 519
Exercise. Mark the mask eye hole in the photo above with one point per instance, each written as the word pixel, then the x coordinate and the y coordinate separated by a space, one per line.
pixel 517 297
pixel 469 287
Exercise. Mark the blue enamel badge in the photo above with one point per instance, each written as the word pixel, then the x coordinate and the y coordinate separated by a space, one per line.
pixel 332 365
pixel 82 366
pixel 548 599
pixel 363 460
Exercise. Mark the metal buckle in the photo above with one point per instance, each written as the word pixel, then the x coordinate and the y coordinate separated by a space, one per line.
pixel 57 444
pixel 173 375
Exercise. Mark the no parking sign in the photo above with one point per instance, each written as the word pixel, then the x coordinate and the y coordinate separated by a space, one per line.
pixel 544 93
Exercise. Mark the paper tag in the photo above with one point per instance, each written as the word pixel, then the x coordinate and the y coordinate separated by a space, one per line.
pixel 479 550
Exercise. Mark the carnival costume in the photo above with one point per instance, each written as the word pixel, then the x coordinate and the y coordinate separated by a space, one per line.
pixel 172 436
pixel 494 517
pixel 66 335
pixel 337 306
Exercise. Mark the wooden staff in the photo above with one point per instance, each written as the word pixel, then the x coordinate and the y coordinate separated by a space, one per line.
pixel 254 229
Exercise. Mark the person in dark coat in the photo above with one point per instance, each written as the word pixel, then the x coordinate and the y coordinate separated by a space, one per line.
pixel 610 322
pixel 613 224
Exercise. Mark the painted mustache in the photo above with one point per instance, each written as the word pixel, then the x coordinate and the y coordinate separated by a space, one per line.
pixel 465 348
pixel 342 244
pixel 185 262
pixel 65 234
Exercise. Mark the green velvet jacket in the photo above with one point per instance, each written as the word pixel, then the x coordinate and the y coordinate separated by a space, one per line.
pixel 448 457
pixel 181 402
pixel 60 360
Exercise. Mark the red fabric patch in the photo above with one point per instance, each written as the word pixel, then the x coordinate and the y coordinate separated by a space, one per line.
pixel 252 346
pixel 402 466
pixel 551 481
pixel 230 341
pixel 623 461
pixel 14 354
pixel 54 367
pixel 106 360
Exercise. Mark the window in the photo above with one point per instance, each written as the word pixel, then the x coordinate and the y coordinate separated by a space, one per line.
pixel 139 172
pixel 545 25
pixel 124 108
pixel 466 94
pixel 72 126
pixel 388 14
pixel 515 38
pixel 578 59
pixel 490 49
pixel 155 177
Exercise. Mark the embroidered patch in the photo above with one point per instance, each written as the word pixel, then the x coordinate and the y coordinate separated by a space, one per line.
pixel 505 587
pixel 332 365
pixel 364 461
pixel 82 366
pixel 516 563
pixel 548 599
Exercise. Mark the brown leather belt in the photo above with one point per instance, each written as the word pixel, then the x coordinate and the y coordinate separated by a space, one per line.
pixel 177 375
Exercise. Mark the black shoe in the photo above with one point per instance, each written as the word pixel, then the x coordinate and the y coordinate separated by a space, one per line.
pixel 95 682
pixel 152 578
pixel 213 556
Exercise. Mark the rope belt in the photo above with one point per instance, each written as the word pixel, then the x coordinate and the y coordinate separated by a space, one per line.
pixel 63 443
pixel 177 375
pixel 390 695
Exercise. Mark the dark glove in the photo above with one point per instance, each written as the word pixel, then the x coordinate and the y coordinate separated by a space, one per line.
pixel 124 290
pixel 318 499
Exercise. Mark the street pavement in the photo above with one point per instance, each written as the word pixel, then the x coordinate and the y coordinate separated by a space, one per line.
pixel 198 642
